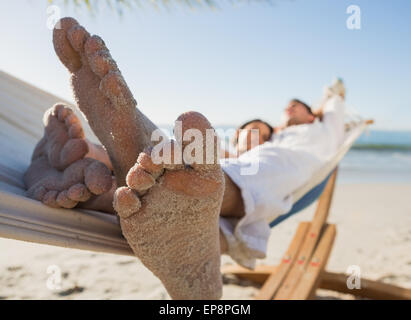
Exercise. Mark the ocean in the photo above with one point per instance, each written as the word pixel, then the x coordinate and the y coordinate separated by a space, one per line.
pixel 378 156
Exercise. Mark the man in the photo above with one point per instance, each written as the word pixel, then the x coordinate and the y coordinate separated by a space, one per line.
pixel 170 211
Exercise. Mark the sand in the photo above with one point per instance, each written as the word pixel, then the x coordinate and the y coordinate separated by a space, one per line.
pixel 373 232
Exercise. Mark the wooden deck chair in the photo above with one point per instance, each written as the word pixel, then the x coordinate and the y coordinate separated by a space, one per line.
pixel 302 268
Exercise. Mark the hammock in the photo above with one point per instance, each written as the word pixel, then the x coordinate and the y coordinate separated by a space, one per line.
pixel 21 111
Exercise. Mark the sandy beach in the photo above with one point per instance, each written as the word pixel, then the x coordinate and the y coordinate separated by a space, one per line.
pixel 373 232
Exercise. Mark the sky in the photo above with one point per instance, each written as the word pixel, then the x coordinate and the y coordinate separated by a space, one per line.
pixel 234 63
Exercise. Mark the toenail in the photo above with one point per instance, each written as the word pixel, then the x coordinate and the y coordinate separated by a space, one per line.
pixel 63 113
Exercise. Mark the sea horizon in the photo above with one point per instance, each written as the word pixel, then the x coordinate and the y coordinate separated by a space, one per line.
pixel 377 156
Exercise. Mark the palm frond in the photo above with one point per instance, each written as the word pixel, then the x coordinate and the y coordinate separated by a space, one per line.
pixel 119 5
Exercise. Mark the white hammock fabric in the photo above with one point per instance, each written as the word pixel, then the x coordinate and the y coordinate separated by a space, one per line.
pixel 351 135
pixel 21 111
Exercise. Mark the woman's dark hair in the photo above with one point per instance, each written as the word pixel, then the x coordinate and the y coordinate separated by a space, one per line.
pixel 251 121
pixel 304 104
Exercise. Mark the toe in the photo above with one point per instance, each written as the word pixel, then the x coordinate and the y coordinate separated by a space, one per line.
pixel 97 177
pixel 62 112
pixel 126 202
pixel 102 63
pixel 75 131
pixel 37 193
pixel 51 114
pixel 145 161
pixel 72 119
pixel 49 199
pixel 198 139
pixel 77 36
pixel 94 44
pixel 64 201
pixel 79 193
pixel 115 88
pixel 67 55
pixel 168 155
pixel 138 179
pixel 73 150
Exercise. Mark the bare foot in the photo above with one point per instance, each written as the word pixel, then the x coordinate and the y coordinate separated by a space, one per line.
pixel 58 175
pixel 63 142
pixel 103 96
pixel 170 219
pixel 102 202
pixel 77 183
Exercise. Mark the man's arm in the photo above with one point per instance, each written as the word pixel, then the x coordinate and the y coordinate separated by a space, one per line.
pixel 332 113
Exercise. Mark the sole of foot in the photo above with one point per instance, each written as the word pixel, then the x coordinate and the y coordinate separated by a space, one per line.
pixel 80 181
pixel 169 216
pixel 63 142
pixel 102 95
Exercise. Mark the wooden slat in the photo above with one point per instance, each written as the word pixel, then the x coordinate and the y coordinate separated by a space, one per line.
pixel 258 275
pixel 310 242
pixel 369 288
pixel 311 277
pixel 272 284
pixel 324 203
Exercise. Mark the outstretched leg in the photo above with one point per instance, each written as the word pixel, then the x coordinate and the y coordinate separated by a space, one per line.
pixel 103 96
pixel 169 215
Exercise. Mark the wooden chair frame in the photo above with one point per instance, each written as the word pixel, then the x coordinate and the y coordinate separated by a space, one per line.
pixel 302 268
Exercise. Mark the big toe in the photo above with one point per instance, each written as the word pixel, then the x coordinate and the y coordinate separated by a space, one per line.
pixel 73 150
pixel 97 178
pixel 64 50
pixel 198 139
pixel 65 137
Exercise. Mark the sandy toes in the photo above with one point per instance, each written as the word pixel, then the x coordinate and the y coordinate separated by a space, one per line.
pixel 103 96
pixel 77 183
pixel 63 141
pixel 59 175
pixel 170 219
